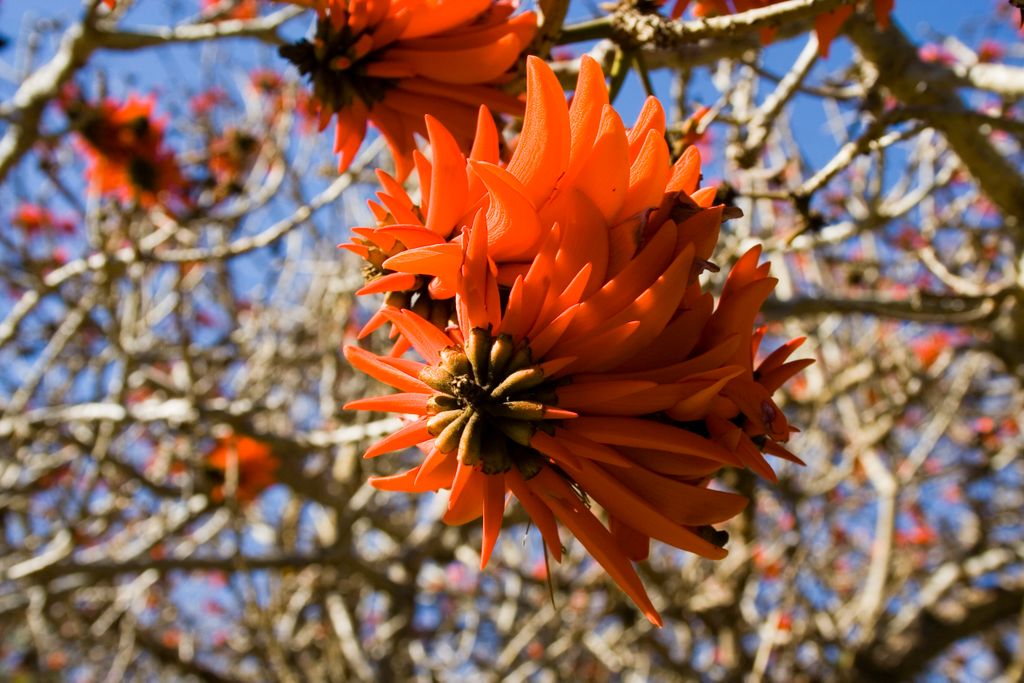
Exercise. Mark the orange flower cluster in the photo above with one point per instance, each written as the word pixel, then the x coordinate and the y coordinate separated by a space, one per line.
pixel 124 145
pixel 827 25
pixel 570 353
pixel 231 156
pixel 390 62
pixel 252 461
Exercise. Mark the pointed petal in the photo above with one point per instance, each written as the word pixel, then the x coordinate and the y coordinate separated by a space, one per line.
pixel 425 338
pixel 604 177
pixel 392 282
pixel 494 509
pixel 539 512
pixel 375 366
pixel 467 498
pixel 412 404
pixel 681 502
pixel 542 154
pixel 773 379
pixel 828 25
pixel 410 435
pixel 436 259
pixel 513 227
pixel 650 119
pixel 635 511
pixel 629 431
pixel 647 176
pixel 588 101
pixel 448 184
pixel 777 357
pixel 595 538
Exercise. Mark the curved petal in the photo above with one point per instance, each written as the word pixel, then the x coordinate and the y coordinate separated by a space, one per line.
pixel 543 150
pixel 513 227
pixel 604 177
pixel 448 185
pixel 436 16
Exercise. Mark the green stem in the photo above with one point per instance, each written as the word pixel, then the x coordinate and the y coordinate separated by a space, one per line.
pixel 595 29
pixel 641 70
pixel 618 72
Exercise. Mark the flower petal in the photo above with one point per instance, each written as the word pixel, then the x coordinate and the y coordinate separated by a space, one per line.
pixel 410 435
pixel 494 510
pixel 426 339
pixel 629 431
pixel 448 183
pixel 539 512
pixel 543 150
pixel 637 512
pixel 595 538
pixel 513 227
pixel 376 367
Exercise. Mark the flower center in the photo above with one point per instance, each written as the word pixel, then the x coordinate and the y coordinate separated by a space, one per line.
pixel 492 401
pixel 143 173
pixel 335 62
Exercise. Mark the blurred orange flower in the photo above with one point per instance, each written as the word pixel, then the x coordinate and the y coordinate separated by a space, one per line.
pixel 231 156
pixel 124 145
pixel 255 462
pixel 585 362
pixel 390 62
pixel 243 9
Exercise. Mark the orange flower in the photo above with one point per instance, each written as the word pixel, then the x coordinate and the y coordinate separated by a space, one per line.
pixel 244 9
pixel 231 156
pixel 827 24
pixel 389 62
pixel 564 153
pixel 585 363
pixel 124 144
pixel 253 460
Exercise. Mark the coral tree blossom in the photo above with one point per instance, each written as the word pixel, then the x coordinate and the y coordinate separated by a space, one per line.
pixel 124 145
pixel 390 62
pixel 584 365
pixel 250 460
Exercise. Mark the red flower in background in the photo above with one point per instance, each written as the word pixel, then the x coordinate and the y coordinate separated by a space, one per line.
pixel 933 53
pixel 33 219
pixel 252 461
pixel 205 102
pixel 991 51
pixel 584 364
pixel 124 146
pixel 241 9
pixel 390 62
pixel 232 155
